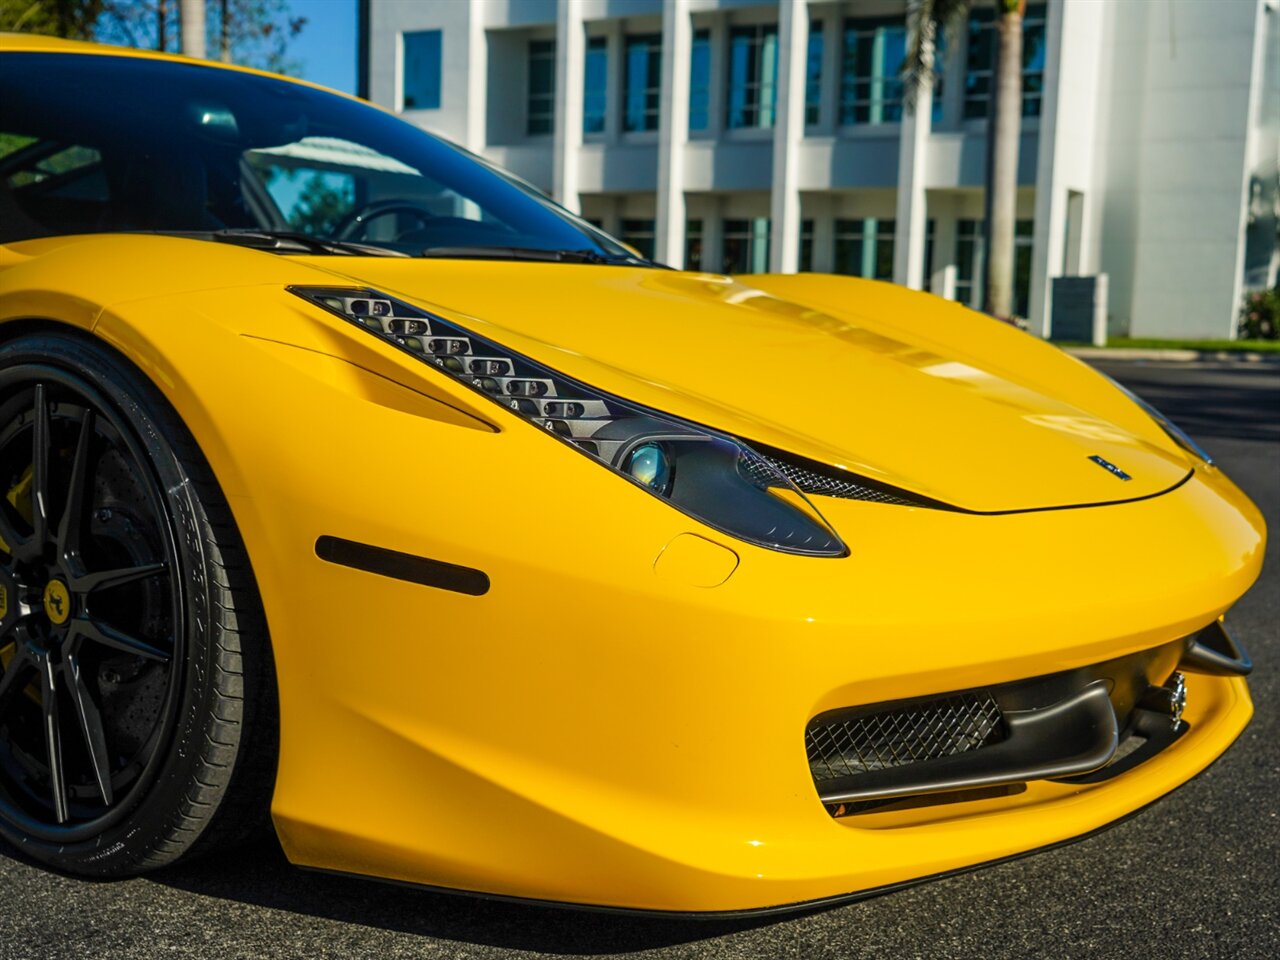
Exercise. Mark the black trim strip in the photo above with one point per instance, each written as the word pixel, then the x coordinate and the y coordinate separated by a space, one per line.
pixel 403 566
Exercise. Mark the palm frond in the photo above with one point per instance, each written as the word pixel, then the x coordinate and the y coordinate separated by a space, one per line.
pixel 927 20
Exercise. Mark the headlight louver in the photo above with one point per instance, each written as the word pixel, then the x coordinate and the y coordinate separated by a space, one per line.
pixel 714 478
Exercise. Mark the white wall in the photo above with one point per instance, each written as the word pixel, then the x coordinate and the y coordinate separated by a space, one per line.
pixel 1177 155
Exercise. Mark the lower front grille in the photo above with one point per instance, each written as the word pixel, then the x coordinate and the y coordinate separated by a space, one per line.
pixel 844 745
pixel 1053 727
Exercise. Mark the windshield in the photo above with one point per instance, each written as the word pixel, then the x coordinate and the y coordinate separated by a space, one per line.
pixel 95 144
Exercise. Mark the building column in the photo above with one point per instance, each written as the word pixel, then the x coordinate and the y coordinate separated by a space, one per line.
pixel 673 133
pixel 943 281
pixel 912 210
pixel 477 74
pixel 570 67
pixel 793 42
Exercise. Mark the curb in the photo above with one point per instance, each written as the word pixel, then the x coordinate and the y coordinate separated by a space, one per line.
pixel 1171 355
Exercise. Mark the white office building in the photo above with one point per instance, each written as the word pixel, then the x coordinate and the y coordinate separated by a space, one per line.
pixel 744 135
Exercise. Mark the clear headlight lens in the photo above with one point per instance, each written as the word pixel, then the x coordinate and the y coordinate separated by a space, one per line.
pixel 708 475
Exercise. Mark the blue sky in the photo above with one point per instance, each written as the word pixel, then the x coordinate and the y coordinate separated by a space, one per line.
pixel 326 48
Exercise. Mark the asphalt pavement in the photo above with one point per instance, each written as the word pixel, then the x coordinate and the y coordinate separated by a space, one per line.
pixel 1197 875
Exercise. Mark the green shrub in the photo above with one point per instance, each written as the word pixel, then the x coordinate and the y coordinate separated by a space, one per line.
pixel 1260 315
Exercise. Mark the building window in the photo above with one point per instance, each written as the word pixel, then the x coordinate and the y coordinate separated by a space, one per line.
pixel 595 98
pixel 700 81
pixel 971 262
pixel 1023 238
pixel 813 76
pixel 968 260
pixel 930 228
pixel 870 81
pixel 746 245
pixel 643 83
pixel 693 245
pixel 753 75
pixel 871 89
pixel 421 80
pixel 864 248
pixel 542 86
pixel 981 60
pixel 806 247
pixel 639 234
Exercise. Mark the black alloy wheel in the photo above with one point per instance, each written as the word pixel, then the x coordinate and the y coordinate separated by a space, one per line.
pixel 134 658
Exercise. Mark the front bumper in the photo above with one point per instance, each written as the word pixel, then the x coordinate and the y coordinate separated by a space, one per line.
pixel 607 727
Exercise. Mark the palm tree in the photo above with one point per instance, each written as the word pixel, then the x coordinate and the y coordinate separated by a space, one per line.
pixel 926 19
pixel 193 25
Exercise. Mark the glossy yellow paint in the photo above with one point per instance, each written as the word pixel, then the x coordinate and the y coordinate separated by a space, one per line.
pixel 591 730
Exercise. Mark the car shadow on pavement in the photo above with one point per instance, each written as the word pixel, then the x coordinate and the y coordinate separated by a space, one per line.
pixel 261 876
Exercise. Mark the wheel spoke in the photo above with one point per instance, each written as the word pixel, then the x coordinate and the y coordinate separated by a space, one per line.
pixel 15 544
pixel 90 725
pixel 72 522
pixel 53 738
pixel 40 468
pixel 15 672
pixel 109 636
pixel 106 579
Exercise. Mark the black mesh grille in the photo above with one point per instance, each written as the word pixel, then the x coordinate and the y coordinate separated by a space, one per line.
pixel 842 747
pixel 811 481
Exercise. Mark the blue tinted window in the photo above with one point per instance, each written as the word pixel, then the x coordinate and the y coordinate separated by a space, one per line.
pixel 421 81
pixel 746 246
pixel 595 96
pixel 753 75
pixel 980 59
pixel 700 81
pixel 813 75
pixel 541 104
pixel 870 72
pixel 864 248
pixel 643 83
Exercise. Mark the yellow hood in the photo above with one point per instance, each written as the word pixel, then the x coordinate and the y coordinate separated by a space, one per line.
pixel 899 386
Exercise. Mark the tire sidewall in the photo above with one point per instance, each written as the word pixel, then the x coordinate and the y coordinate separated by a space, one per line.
pixel 156 807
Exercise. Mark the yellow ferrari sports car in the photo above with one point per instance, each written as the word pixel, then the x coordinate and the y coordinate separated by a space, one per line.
pixel 349 485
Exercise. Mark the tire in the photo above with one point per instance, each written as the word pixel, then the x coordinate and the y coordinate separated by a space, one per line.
pixel 137 697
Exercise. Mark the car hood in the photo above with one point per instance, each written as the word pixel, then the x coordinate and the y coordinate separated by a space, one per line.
pixel 902 387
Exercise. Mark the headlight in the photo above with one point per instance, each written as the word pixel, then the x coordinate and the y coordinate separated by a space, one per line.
pixel 708 475
pixel 1175 432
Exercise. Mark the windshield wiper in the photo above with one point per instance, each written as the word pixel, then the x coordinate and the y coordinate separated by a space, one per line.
pixel 537 254
pixel 296 241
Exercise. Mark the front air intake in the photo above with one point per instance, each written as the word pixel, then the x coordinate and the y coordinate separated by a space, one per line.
pixel 852 743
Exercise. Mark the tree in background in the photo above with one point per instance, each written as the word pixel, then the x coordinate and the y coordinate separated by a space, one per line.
pixel 255 33
pixel 74 19
pixel 926 20
pixel 250 32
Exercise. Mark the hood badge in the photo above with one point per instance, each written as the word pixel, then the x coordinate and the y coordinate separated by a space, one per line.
pixel 1110 468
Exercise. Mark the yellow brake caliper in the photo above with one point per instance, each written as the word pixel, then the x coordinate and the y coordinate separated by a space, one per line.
pixel 19 496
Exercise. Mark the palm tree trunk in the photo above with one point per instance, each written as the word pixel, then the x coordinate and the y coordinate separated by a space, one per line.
pixel 1002 159
pixel 224 32
pixel 191 14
